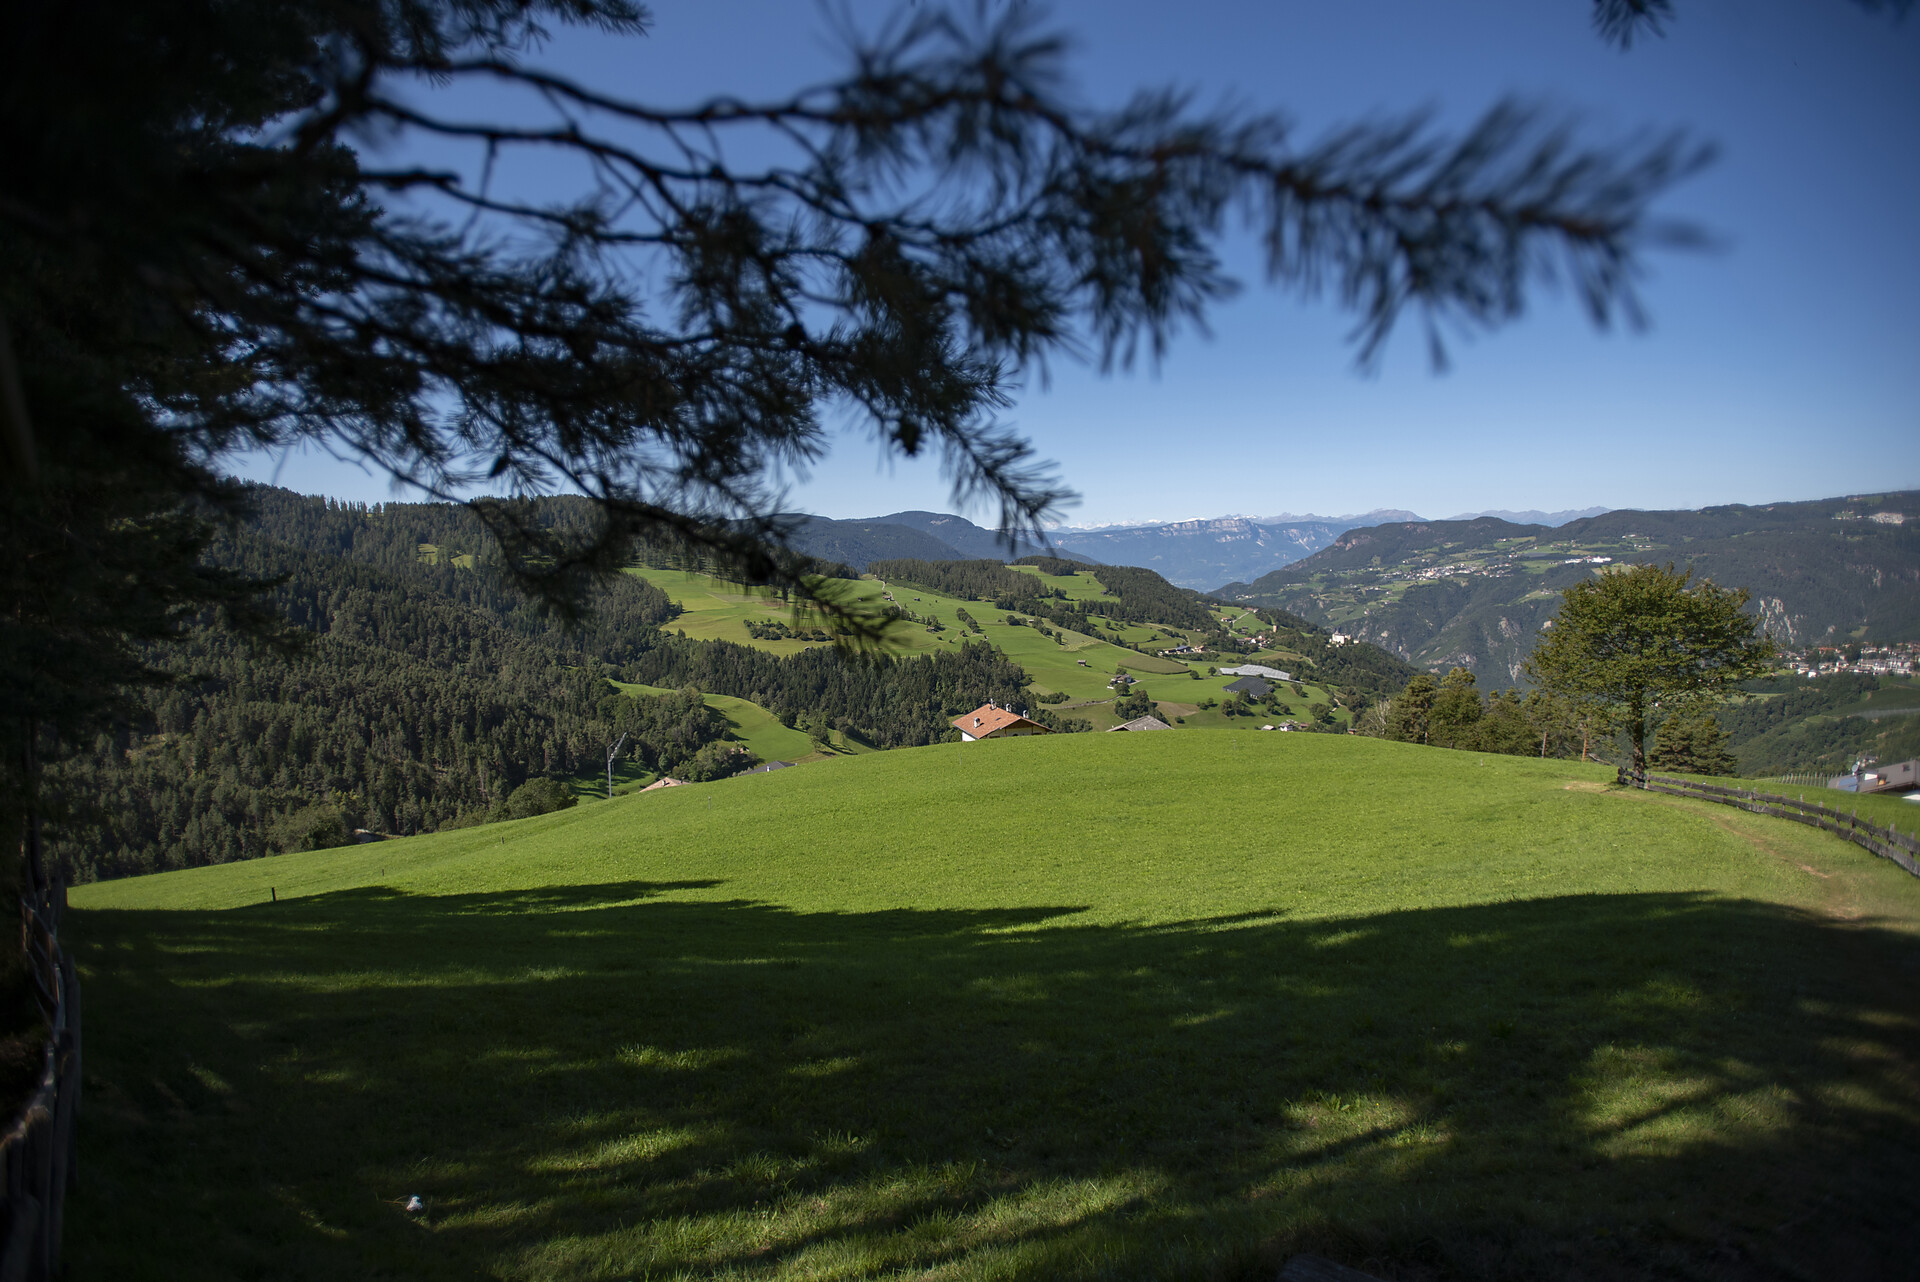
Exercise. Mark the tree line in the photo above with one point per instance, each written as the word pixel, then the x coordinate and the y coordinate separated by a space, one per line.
pixel 981 580
pixel 424 693
pixel 882 700
pixel 1453 712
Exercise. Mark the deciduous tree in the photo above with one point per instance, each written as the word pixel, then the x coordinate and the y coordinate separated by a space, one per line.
pixel 1639 644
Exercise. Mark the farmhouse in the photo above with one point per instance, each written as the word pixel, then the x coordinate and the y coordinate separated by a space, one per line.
pixel 1902 776
pixel 1253 687
pixel 1141 723
pixel 1256 670
pixel 991 722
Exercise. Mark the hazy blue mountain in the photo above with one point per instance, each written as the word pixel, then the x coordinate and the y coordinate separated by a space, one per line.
pixel 857 542
pixel 1199 554
pixel 1532 517
pixel 1379 516
pixel 972 541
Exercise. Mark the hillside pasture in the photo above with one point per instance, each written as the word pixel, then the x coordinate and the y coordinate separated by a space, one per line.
pixel 1099 1006
pixel 748 724
pixel 717 610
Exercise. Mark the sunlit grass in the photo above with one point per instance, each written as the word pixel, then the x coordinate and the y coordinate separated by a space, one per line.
pixel 1091 1006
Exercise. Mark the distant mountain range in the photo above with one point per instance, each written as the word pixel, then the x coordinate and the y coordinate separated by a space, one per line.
pixel 1474 593
pixel 1379 516
pixel 1200 554
pixel 1529 517
pixel 1192 554
pixel 855 543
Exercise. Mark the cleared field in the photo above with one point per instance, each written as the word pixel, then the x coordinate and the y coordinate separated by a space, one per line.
pixel 717 610
pixel 1090 1006
pixel 750 724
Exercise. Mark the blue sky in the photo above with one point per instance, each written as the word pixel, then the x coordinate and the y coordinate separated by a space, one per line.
pixel 1783 364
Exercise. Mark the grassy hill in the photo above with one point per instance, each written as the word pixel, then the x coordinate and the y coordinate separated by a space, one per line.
pixel 1081 1006
pixel 1077 664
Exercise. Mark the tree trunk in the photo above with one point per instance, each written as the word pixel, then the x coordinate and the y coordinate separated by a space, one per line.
pixel 34 864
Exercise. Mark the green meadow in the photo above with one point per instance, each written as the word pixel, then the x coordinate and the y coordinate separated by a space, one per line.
pixel 1095 1006
pixel 1079 665
pixel 716 610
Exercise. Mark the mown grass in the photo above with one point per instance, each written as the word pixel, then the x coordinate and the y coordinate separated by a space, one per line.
pixel 1094 1006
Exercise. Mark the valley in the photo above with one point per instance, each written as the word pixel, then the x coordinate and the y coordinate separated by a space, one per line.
pixel 1474 594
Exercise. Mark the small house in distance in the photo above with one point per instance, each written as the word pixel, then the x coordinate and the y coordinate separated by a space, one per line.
pixel 1252 687
pixel 1141 723
pixel 991 722
pixel 1902 776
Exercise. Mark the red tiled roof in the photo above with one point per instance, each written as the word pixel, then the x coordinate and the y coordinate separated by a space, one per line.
pixel 986 719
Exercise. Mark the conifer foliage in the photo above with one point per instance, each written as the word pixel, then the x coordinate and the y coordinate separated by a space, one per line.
pixel 196 257
pixel 425 691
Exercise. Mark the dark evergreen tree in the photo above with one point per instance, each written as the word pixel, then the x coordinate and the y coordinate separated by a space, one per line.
pixel 1454 719
pixel 194 259
pixel 1694 745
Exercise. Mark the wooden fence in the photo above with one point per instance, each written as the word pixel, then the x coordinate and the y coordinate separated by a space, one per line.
pixel 37 1151
pixel 1888 842
pixel 1802 779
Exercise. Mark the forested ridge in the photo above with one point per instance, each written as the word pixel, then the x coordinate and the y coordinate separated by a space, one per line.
pixel 1128 593
pixel 425 692
pixel 1819 571
pixel 1797 725
pixel 886 702
pixel 428 690
pixel 975 580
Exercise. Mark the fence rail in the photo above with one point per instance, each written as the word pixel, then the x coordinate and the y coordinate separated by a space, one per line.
pixel 1800 780
pixel 38 1154
pixel 1888 842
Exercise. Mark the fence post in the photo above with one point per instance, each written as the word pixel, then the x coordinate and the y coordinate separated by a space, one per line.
pixel 38 1145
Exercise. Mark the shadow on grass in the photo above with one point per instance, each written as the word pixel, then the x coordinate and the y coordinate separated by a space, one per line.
pixel 609 1082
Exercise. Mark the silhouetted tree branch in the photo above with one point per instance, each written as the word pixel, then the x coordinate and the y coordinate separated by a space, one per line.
pixel 938 223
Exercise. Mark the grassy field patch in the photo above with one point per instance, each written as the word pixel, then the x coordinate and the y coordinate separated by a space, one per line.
pixel 1093 1006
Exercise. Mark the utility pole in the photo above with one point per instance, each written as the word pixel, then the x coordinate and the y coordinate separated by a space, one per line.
pixel 613 754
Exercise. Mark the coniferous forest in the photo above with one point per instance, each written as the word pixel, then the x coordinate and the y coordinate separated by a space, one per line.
pixel 426 691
